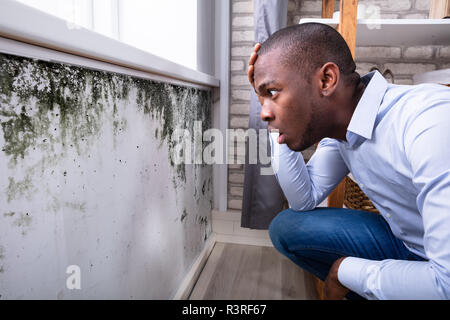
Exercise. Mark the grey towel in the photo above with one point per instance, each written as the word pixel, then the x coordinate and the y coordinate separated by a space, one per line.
pixel 263 197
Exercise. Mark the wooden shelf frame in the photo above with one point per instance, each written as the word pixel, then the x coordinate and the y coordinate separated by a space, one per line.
pixel 347 28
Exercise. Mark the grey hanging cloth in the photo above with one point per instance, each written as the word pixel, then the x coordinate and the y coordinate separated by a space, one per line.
pixel 263 197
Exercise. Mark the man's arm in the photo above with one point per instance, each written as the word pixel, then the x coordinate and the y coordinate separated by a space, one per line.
pixel 427 148
pixel 306 186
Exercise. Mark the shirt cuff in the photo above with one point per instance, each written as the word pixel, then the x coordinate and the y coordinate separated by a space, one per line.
pixel 351 274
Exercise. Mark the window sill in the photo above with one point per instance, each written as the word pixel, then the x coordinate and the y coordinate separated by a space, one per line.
pixel 50 32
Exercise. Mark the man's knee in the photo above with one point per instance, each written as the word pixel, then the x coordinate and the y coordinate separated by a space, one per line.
pixel 276 228
pixel 295 229
pixel 284 227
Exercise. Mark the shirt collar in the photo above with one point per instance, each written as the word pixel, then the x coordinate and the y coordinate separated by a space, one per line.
pixel 363 119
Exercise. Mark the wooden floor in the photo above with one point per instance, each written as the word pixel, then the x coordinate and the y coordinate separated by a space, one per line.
pixel 235 271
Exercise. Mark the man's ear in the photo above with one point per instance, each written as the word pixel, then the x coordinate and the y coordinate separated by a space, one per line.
pixel 329 76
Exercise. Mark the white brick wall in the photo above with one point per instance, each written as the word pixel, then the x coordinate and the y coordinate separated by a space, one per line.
pixel 364 53
pixel 236 178
pixel 241 51
pixel 310 6
pixel 444 53
pixel 239 122
pixel 242 7
pixel 422 5
pixel 242 21
pixel 419 52
pixel 240 108
pixel 242 41
pixel 242 94
pixel 242 36
pixel 409 68
pixel 239 80
pixel 391 5
pixel 404 62
pixel 237 65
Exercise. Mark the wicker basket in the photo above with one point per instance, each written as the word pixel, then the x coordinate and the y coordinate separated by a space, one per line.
pixel 354 197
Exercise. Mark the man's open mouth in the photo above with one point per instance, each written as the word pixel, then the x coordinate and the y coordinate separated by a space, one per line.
pixel 280 138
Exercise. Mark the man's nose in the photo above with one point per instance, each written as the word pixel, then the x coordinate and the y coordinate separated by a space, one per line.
pixel 266 112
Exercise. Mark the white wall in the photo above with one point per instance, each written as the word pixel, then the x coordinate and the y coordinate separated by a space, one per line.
pixel 89 182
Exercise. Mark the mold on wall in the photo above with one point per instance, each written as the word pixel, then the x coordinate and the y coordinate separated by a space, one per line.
pixel 88 179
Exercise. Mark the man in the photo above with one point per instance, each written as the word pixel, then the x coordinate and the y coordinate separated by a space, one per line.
pixel 395 140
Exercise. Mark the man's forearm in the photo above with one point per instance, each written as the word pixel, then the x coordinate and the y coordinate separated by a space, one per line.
pixel 292 175
pixel 391 279
pixel 305 186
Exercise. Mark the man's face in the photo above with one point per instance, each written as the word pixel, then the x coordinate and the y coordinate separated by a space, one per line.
pixel 286 101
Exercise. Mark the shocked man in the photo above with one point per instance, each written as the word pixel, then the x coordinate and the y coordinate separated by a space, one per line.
pixel 394 139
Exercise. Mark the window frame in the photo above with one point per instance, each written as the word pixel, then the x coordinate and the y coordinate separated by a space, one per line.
pixel 40 31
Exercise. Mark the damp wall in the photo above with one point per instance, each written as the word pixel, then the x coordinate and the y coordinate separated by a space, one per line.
pixel 92 205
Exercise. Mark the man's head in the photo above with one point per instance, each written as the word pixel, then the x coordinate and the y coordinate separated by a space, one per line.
pixel 298 75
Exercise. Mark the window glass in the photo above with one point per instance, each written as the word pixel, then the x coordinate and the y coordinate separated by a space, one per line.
pixel 74 11
pixel 166 28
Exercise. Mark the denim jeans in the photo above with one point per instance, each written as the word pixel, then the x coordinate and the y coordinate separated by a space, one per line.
pixel 315 239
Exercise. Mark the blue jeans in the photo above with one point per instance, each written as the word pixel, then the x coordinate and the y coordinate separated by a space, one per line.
pixel 315 239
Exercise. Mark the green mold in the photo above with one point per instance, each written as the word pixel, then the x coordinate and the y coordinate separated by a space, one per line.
pixel 19 188
pixel 24 220
pixel 184 215
pixel 47 108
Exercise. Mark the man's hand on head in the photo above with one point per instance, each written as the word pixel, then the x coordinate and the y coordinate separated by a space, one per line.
pixel 251 63
pixel 334 290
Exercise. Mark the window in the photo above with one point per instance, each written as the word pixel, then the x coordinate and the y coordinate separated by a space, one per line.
pixel 165 28
pixel 78 12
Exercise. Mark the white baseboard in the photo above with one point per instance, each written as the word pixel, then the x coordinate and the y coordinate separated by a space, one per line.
pixel 226 227
pixel 191 277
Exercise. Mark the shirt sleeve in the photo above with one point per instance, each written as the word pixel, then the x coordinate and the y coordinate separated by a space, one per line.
pixel 426 143
pixel 306 186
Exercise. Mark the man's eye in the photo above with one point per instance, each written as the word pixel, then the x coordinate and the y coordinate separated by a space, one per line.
pixel 272 92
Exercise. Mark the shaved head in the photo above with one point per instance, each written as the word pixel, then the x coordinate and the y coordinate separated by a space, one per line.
pixel 309 46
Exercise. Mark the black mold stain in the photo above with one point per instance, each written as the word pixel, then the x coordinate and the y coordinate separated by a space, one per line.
pixel 176 107
pixel 203 221
pixel 184 215
pixel 52 107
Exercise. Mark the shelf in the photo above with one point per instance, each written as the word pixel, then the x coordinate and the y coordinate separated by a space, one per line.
pixel 397 32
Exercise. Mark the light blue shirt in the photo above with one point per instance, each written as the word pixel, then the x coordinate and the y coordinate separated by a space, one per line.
pixel 398 151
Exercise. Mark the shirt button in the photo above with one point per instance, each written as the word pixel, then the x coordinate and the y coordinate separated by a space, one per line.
pixel 388 215
pixel 361 185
